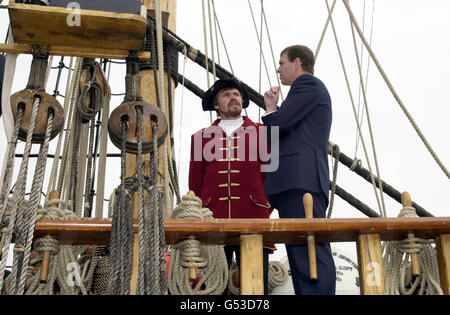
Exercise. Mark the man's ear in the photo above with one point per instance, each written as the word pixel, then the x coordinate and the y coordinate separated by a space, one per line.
pixel 298 62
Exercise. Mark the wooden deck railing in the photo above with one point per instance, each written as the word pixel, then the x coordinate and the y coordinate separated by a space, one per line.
pixel 250 234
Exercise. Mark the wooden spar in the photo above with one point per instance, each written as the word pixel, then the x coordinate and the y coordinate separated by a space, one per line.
pixel 75 51
pixel 148 93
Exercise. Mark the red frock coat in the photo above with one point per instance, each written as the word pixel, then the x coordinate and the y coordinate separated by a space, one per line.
pixel 225 171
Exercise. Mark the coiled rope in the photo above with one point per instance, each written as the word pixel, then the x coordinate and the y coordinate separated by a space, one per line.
pixel 398 274
pixel 278 276
pixel 209 260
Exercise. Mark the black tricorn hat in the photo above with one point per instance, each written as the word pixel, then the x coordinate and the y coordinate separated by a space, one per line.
pixel 208 98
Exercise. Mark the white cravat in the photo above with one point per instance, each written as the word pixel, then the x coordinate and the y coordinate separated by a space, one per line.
pixel 230 125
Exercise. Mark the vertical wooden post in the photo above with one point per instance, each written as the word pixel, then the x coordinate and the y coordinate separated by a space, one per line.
pixel 370 264
pixel 443 257
pixel 251 269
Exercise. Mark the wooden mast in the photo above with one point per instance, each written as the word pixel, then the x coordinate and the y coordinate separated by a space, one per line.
pixel 148 93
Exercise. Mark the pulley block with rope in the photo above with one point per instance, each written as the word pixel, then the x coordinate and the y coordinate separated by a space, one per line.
pixel 35 92
pixel 126 112
pixel 47 105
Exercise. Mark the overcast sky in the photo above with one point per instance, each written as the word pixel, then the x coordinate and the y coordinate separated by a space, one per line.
pixel 409 38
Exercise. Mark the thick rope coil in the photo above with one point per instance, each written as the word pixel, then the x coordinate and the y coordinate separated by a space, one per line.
pixel 278 276
pixel 209 260
pixel 397 267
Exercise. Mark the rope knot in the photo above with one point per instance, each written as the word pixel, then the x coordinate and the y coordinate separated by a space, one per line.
pixel 408 212
pixel 46 243
pixel 356 164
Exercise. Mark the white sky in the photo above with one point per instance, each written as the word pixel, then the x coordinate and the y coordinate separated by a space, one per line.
pixel 410 39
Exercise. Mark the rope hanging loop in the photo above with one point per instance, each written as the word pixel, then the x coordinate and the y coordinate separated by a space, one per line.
pixel 126 112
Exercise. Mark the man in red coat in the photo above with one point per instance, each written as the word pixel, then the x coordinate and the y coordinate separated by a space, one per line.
pixel 226 160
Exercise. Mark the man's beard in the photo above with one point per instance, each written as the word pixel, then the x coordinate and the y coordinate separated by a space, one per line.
pixel 234 111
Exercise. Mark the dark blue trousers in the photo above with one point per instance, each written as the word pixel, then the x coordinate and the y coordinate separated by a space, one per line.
pixel 290 205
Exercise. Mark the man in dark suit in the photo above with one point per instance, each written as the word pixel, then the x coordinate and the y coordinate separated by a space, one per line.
pixel 304 122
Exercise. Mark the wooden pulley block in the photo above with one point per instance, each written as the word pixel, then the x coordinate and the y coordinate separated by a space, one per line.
pixel 47 104
pixel 127 113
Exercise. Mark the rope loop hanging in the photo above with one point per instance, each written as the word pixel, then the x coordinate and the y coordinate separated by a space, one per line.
pixel 397 266
pixel 210 260
pixel 335 152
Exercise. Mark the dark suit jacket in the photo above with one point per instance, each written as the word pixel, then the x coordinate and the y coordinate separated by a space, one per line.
pixel 304 120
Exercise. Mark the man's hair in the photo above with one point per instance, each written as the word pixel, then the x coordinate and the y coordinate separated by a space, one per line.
pixel 304 53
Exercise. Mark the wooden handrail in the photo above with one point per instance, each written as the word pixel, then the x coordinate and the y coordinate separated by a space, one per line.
pixel 228 231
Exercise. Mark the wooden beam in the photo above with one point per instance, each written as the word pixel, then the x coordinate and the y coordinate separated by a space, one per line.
pixel 370 264
pixel 443 256
pixel 228 231
pixel 251 269
pixel 85 52
pixel 35 24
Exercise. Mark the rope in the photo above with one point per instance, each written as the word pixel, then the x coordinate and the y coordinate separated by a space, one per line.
pixel 382 210
pixel 61 257
pixel 121 245
pixel 19 192
pixel 159 36
pixel 86 112
pixel 151 267
pixel 319 45
pixel 25 232
pixel 205 40
pixel 259 42
pixel 9 163
pixel 223 40
pixel 369 124
pixel 367 67
pixel 398 276
pixel 335 152
pixel 278 276
pixel 209 260
pixel 53 177
pixel 103 149
pixel 394 93
pixel 64 174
